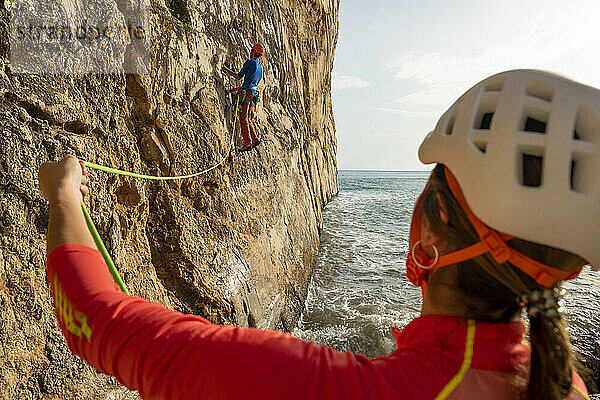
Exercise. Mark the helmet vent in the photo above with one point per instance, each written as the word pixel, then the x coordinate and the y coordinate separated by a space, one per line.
pixel 534 120
pixel 586 136
pixel 531 170
pixel 536 109
pixel 575 167
pixel 485 112
pixel 531 146
pixel 494 85
pixel 486 120
pixel 450 121
pixel 587 125
pixel 480 137
pixel 540 90
pixel 582 173
pixel 482 146
pixel 533 125
pixel 450 126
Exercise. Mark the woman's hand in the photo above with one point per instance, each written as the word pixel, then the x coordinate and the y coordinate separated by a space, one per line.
pixel 64 185
pixel 64 181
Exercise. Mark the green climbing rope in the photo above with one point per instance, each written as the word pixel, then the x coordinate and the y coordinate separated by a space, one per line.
pixel 102 248
pixel 167 178
pixel 92 227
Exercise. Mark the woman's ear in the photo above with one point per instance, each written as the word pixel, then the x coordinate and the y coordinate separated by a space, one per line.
pixel 443 210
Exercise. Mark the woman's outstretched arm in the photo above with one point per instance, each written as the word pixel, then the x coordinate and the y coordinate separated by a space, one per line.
pixel 168 355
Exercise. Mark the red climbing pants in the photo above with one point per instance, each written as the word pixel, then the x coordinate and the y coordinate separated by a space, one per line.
pixel 246 115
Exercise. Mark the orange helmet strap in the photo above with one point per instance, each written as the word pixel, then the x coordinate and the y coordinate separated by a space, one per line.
pixel 494 242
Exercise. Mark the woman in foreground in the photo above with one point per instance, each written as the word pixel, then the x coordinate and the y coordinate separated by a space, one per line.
pixel 510 211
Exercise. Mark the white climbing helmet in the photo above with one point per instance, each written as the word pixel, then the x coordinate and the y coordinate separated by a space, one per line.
pixel 507 118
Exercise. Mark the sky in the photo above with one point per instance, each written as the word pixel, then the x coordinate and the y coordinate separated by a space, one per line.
pixel 400 64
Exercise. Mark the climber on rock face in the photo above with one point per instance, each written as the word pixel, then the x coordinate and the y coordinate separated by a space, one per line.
pixel 252 72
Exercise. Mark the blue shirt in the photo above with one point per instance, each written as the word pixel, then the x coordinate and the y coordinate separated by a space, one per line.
pixel 252 71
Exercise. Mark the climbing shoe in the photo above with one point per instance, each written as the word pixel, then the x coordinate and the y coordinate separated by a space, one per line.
pixel 246 147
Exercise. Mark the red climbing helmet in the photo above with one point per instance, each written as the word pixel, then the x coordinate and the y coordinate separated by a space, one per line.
pixel 258 49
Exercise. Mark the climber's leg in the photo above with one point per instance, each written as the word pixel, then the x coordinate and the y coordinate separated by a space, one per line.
pixel 253 135
pixel 244 111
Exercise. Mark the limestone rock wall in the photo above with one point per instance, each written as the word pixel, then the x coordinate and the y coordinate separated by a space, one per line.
pixel 236 245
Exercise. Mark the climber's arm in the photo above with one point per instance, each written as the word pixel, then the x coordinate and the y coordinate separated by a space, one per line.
pixel 168 355
pixel 230 72
pixel 64 185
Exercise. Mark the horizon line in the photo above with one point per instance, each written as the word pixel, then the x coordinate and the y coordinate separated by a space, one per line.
pixel 384 170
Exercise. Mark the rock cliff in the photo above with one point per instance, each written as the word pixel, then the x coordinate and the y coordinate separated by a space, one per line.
pixel 235 245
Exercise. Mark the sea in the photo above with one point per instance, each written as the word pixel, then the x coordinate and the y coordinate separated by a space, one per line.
pixel 359 289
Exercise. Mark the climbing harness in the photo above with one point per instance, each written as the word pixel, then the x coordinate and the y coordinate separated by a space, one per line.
pixel 255 93
pixel 92 227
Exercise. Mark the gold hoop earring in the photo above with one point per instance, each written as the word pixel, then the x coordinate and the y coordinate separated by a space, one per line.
pixel 437 257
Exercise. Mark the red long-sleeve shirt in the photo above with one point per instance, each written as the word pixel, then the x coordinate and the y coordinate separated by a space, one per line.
pixel 168 355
